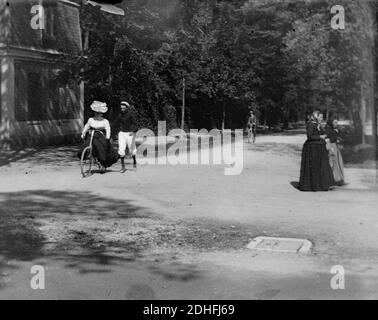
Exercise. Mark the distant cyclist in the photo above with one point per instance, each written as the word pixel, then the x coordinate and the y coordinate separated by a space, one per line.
pixel 251 127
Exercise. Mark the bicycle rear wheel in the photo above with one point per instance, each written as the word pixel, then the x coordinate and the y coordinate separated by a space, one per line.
pixel 86 162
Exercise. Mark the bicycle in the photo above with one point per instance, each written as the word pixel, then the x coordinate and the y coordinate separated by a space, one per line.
pixel 87 158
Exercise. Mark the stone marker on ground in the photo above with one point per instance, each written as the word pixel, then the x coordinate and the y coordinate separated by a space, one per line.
pixel 285 245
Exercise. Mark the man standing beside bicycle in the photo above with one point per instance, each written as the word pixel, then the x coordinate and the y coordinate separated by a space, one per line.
pixel 126 121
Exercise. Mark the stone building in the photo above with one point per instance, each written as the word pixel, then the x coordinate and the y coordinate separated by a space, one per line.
pixel 39 101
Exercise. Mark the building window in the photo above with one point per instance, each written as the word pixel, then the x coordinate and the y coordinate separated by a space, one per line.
pixel 21 101
pixel 42 94
pixel 69 102
pixel 34 97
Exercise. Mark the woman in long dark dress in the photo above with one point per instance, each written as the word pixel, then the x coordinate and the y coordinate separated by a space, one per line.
pixel 102 148
pixel 316 173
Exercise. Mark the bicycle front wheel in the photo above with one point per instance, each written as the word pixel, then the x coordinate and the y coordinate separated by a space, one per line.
pixel 86 162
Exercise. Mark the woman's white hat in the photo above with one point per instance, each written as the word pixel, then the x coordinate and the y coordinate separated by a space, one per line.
pixel 98 106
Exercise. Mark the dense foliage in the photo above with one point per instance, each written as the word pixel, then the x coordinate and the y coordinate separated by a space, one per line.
pixel 281 58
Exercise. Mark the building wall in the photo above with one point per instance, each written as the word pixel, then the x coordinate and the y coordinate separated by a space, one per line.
pixel 4 22
pixel 45 106
pixel 7 98
pixel 4 34
pixel 40 95
pixel 40 102
pixel 62 27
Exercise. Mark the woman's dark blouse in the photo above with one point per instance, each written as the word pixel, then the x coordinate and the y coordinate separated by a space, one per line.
pixel 313 133
pixel 332 135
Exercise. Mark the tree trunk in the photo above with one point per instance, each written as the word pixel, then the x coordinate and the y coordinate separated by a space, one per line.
pixel 363 115
pixel 357 125
pixel 223 116
pixel 286 119
pixel 375 95
pixel 86 41
pixel 183 105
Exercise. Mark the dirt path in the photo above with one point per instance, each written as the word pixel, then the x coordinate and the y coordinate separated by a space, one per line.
pixel 180 231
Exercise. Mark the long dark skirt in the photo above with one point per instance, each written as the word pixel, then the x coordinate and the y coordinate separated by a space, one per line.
pixel 102 150
pixel 316 173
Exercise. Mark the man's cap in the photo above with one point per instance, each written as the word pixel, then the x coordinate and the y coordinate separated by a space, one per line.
pixel 125 103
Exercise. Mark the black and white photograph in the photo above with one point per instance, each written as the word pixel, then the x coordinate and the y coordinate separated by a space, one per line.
pixel 188 150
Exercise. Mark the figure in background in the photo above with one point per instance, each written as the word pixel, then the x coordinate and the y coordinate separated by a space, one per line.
pixel 251 127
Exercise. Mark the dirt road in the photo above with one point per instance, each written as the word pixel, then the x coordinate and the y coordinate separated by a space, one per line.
pixel 180 232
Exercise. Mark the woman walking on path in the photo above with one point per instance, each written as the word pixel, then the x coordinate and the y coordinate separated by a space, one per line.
pixel 316 173
pixel 335 158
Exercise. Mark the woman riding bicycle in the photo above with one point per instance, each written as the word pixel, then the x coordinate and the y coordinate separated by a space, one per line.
pixel 103 151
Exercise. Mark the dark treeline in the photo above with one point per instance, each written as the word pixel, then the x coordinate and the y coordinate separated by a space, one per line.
pixel 281 58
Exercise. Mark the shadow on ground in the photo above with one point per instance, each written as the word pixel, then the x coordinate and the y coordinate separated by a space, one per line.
pixel 295 184
pixel 280 148
pixel 88 233
pixel 7 157
pixel 66 225
pixel 57 156
pixel 176 271
pixel 49 156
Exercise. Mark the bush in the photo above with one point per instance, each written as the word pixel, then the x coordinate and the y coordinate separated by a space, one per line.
pixel 358 153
